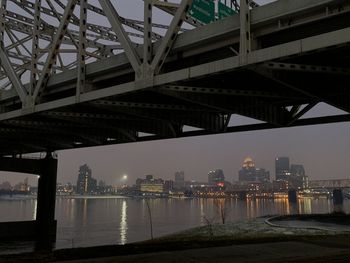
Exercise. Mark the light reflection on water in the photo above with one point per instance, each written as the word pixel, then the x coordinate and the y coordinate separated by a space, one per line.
pixel 100 221
pixel 35 202
pixel 123 223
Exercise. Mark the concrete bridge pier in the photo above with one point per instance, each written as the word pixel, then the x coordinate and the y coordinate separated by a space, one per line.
pixel 292 196
pixel 242 196
pixel 338 200
pixel 45 217
pixel 293 200
pixel 43 229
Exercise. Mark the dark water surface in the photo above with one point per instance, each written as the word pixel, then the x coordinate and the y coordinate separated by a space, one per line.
pixel 101 221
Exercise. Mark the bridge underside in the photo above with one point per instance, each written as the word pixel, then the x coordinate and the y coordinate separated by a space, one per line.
pixel 202 84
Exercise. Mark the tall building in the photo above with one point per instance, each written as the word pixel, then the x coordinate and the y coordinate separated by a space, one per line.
pixel 216 177
pixel 86 184
pixel 282 168
pixel 298 176
pixel 179 180
pixel 297 170
pixel 294 174
pixel 249 173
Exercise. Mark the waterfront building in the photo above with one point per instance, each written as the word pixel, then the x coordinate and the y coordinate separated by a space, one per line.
pixel 152 187
pixel 282 168
pixel 66 189
pixel 293 174
pixel 150 184
pixel 179 180
pixel 216 178
pixel 249 173
pixel 169 185
pixel 86 184
pixel 280 185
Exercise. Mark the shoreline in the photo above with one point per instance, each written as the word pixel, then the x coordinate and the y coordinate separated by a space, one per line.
pixel 247 232
pixel 29 197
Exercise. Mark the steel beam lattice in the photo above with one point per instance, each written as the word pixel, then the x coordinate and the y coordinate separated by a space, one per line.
pixel 78 73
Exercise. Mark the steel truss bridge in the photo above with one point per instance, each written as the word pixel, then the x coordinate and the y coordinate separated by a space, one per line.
pixel 330 184
pixel 78 73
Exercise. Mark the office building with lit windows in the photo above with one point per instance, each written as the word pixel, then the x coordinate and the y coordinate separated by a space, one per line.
pixel 282 168
pixel 249 173
pixel 216 177
pixel 86 184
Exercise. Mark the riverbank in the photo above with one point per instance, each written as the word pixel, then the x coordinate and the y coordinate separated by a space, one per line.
pixel 239 236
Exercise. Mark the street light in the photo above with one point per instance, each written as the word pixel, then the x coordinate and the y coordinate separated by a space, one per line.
pixel 124 177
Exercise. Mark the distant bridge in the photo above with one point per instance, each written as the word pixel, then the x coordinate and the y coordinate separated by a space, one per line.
pixel 77 74
pixel 330 184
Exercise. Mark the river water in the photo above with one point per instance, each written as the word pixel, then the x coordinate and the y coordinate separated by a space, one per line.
pixel 111 220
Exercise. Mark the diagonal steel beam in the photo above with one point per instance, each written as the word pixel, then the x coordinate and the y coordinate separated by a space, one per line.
pixel 55 46
pixel 124 39
pixel 170 36
pixel 12 75
pixel 299 114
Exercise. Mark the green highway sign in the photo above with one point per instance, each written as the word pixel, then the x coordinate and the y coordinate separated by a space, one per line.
pixel 225 11
pixel 203 10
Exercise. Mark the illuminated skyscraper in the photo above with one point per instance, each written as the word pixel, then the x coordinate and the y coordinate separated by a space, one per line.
pixel 282 168
pixel 249 173
pixel 86 184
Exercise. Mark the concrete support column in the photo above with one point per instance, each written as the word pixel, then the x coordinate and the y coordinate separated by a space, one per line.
pixel 338 200
pixel 292 196
pixel 242 196
pixel 46 224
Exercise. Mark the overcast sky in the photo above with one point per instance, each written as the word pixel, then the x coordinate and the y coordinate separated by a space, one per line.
pixel 324 150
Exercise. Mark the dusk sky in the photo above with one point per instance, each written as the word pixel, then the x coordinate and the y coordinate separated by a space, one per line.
pixel 324 150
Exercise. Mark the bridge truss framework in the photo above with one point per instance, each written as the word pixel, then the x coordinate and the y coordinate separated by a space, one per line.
pixel 79 73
